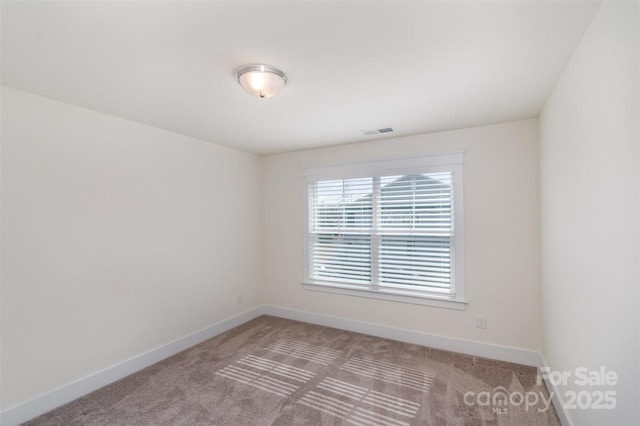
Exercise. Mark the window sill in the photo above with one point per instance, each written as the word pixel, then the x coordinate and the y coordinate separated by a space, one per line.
pixel 387 294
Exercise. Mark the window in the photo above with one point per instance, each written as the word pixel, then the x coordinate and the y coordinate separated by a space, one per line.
pixel 391 230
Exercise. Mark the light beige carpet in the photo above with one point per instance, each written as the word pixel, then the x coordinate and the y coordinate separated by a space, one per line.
pixel 272 371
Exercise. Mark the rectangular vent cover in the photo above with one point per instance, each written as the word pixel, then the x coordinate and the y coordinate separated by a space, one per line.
pixel 379 131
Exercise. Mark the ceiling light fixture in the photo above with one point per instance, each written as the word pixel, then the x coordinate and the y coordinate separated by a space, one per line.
pixel 261 81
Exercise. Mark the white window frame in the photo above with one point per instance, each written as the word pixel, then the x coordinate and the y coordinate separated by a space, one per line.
pixel 452 162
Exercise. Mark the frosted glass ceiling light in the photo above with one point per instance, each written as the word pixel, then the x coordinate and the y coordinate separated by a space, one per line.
pixel 261 81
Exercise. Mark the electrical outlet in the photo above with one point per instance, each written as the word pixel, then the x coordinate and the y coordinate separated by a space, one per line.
pixel 240 299
pixel 481 322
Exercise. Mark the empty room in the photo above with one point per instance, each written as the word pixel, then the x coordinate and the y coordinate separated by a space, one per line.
pixel 320 213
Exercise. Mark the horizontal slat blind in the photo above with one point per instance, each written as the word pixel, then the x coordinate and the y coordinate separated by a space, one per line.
pixel 341 257
pixel 342 204
pixel 422 262
pixel 416 223
pixel 340 211
pixel 403 222
pixel 416 202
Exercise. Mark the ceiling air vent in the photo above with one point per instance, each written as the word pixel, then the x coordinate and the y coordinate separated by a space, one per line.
pixel 379 131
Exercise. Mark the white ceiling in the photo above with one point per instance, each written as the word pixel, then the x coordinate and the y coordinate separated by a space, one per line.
pixel 416 66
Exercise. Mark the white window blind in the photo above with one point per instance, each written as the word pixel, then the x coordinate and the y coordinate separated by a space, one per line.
pixel 416 227
pixel 341 217
pixel 386 231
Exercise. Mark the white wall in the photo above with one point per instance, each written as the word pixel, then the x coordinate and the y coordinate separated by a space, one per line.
pixel 501 230
pixel 589 212
pixel 116 238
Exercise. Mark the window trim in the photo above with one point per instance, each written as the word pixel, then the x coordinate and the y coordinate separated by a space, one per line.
pixel 425 164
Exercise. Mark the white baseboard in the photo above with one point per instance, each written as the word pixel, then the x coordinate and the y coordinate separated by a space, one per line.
pixel 67 393
pixel 556 397
pixel 487 350
pixel 41 404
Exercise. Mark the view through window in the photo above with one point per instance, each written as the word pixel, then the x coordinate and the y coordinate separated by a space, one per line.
pixel 386 232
